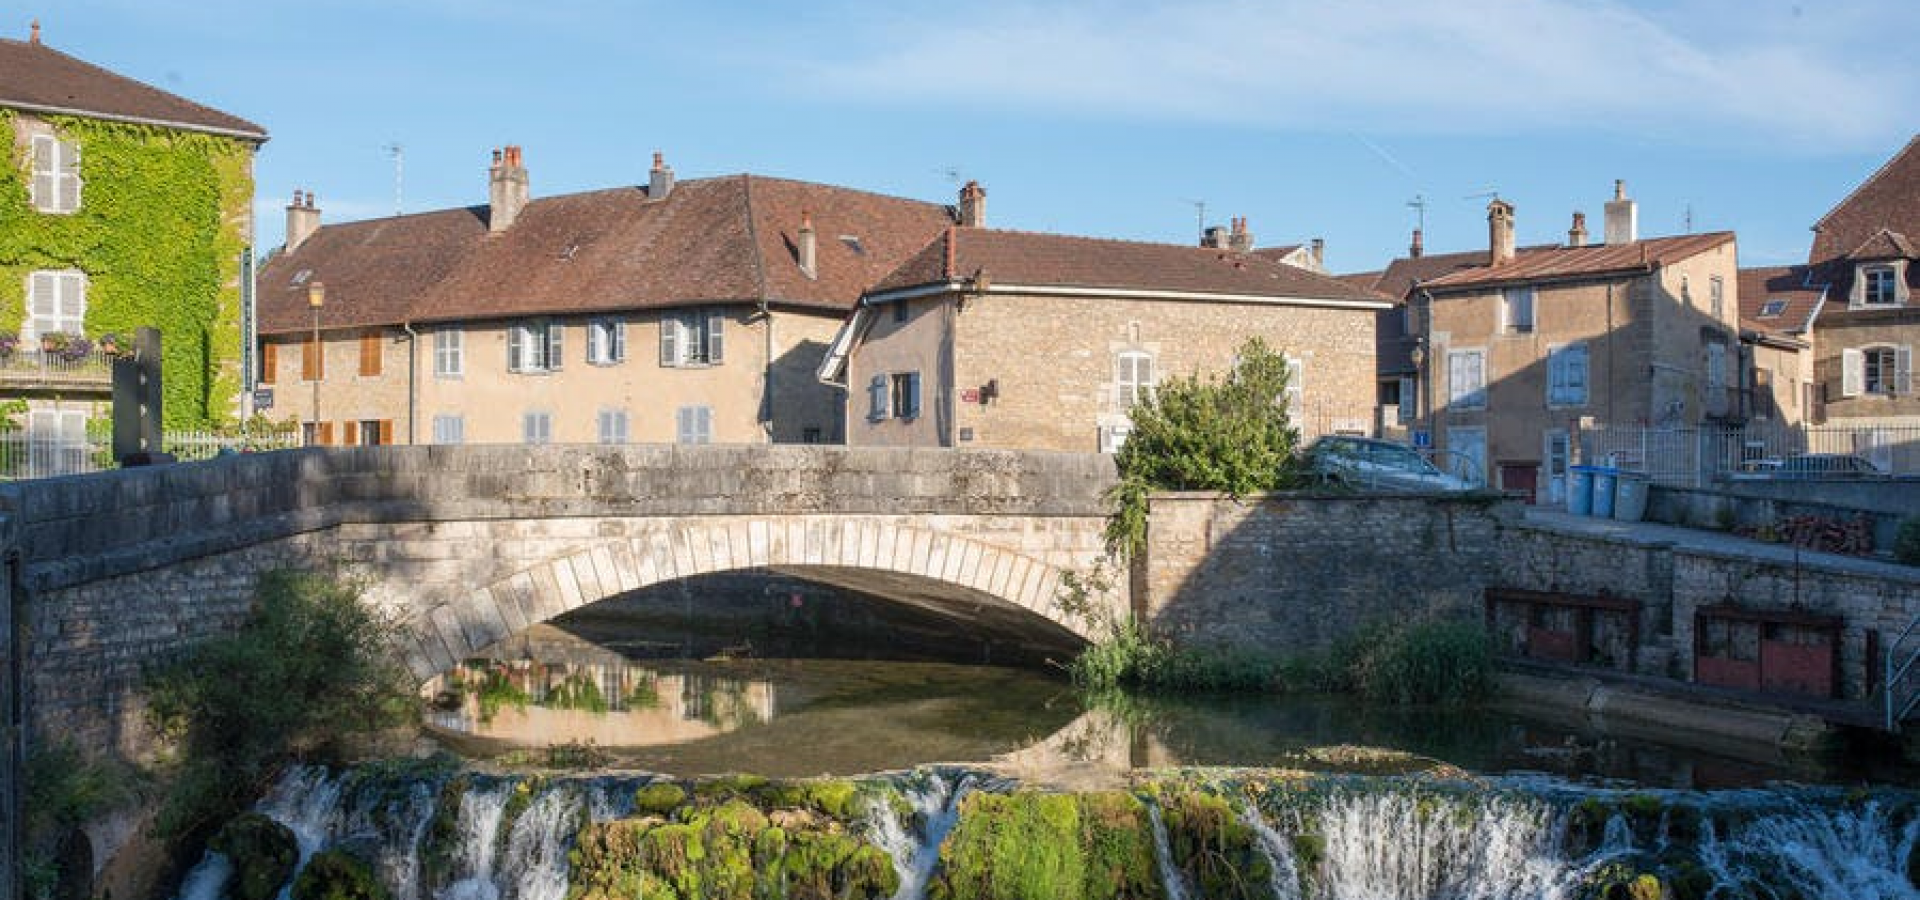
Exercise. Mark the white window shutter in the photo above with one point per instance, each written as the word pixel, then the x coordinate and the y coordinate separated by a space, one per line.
pixel 715 338
pixel 68 176
pixel 669 339
pixel 619 341
pixel 40 302
pixel 1577 374
pixel 45 171
pixel 596 349
pixel 877 398
pixel 705 416
pixel 555 332
pixel 1903 369
pixel 1853 372
pixel 516 347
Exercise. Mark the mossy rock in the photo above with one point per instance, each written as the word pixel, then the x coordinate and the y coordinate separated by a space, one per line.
pixel 337 875
pixel 1214 847
pixel 727 787
pixel 1627 879
pixel 659 798
pixel 1027 844
pixel 263 852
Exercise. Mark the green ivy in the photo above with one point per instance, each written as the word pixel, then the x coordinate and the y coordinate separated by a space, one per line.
pixel 160 232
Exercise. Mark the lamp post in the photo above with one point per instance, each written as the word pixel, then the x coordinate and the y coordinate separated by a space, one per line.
pixel 316 298
pixel 1418 356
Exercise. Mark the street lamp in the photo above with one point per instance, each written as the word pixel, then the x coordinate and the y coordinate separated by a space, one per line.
pixel 316 298
pixel 1418 356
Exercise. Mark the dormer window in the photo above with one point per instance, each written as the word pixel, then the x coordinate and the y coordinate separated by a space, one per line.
pixel 1878 286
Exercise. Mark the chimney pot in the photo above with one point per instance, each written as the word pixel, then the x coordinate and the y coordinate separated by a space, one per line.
pixel 660 179
pixel 1240 240
pixel 1499 232
pixel 508 191
pixel 1577 235
pixel 1416 249
pixel 303 219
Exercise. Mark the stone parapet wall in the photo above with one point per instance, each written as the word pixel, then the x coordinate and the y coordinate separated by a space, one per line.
pixel 1289 573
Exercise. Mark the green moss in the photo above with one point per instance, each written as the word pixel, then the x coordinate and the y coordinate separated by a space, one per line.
pixel 160 234
pixel 727 786
pixel 443 832
pixel 1096 846
pixel 337 875
pixel 659 798
pixel 263 852
pixel 1213 846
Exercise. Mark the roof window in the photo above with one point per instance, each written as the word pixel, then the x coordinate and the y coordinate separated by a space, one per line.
pixel 301 276
pixel 853 243
pixel 1772 309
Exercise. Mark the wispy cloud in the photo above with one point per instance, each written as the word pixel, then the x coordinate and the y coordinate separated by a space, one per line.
pixel 1384 66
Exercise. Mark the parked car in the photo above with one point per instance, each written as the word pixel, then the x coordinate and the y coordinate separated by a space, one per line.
pixel 1824 465
pixel 1370 464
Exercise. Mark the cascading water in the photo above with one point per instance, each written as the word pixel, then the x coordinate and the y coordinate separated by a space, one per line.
pixel 935 800
pixel 535 866
pixel 1170 879
pixel 1412 845
pixel 481 808
pixel 1285 881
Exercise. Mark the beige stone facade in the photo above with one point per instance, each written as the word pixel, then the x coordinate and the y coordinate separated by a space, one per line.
pixel 1031 371
pixel 1866 341
pixel 470 395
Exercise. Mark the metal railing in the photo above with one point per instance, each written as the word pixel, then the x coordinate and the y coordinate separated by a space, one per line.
pixel 25 456
pixel 1900 697
pixel 1697 457
pixel 35 366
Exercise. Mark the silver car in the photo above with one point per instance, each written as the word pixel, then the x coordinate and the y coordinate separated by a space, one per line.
pixel 1369 464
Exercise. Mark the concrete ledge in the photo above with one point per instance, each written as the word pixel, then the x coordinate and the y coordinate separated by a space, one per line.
pixel 1731 729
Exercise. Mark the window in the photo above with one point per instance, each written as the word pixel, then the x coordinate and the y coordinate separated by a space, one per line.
pixel 1567 375
pixel 906 395
pixel 56 174
pixel 370 355
pixel 56 303
pixel 1516 310
pixel 449 429
pixel 900 311
pixel 449 353
pixel 692 338
pixel 534 346
pixel 1717 296
pixel 369 432
pixel 1296 387
pixel 1772 309
pixel 1716 366
pixel 313 360
pixel 1882 370
pixel 613 426
pixel 1132 378
pixel 606 341
pixel 536 428
pixel 694 425
pixel 269 362
pixel 1113 437
pixel 1878 286
pixel 877 398
pixel 1467 379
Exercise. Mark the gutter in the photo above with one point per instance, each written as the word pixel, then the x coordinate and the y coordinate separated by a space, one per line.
pixel 413 368
pixel 258 137
pixel 971 287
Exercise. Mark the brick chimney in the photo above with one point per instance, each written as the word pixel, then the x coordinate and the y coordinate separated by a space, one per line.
pixel 1239 239
pixel 1416 249
pixel 808 244
pixel 973 205
pixel 507 191
pixel 1499 232
pixel 303 219
pixel 1622 216
pixel 659 178
pixel 1577 235
pixel 1214 238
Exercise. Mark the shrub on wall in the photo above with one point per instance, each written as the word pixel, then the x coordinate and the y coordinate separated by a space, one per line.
pixel 160 232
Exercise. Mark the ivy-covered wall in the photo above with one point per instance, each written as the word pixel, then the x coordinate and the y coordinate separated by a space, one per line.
pixel 160 232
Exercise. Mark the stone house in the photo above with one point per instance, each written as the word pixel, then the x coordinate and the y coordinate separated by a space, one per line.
pixel 1778 305
pixel 1537 343
pixel 690 312
pixel 125 207
pixel 1864 257
pixel 1009 339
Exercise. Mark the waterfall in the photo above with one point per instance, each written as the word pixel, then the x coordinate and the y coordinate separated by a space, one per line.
pixel 936 807
pixel 208 878
pixel 1170 878
pixel 1398 845
pixel 535 867
pixel 1819 852
pixel 481 808
pixel 1279 853
pixel 307 801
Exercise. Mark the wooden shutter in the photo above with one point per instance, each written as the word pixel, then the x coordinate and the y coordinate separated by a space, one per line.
pixel 555 332
pixel 1903 369
pixel 369 355
pixel 67 176
pixel 269 362
pixel 1577 374
pixel 312 361
pixel 1853 372
pixel 326 434
pixel 683 425
pixel 597 349
pixel 516 348
pixel 41 302
pixel 913 396
pixel 877 398
pixel 669 339
pixel 386 432
pixel 715 343
pixel 45 168
pixel 619 341
pixel 352 430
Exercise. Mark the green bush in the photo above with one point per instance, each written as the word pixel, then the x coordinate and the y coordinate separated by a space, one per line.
pixel 1130 657
pixel 1429 662
pixel 308 669
pixel 61 790
pixel 1906 542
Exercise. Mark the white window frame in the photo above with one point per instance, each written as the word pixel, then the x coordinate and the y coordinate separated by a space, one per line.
pixel 606 341
pixel 449 353
pixel 1569 375
pixel 1472 396
pixel 536 427
pixel 1129 387
pixel 66 292
pixel 1513 302
pixel 1890 276
pixel 1296 394
pixel 55 184
pixel 449 429
pixel 1717 296
pixel 535 346
pixel 693 425
pixel 1892 376
pixel 693 338
pixel 613 426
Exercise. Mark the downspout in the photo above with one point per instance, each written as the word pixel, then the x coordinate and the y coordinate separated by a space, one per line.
pixel 413 368
pixel 766 383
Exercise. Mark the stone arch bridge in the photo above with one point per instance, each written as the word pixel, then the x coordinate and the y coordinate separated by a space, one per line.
pixel 467 545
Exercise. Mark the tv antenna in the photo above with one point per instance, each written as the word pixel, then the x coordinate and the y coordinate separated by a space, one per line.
pixel 1199 215
pixel 1687 220
pixel 399 155
pixel 952 174
pixel 1419 205
pixel 1487 194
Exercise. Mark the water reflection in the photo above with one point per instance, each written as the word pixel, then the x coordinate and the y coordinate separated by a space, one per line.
pixel 534 703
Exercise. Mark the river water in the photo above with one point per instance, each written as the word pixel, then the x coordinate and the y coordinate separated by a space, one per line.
pixel 557 734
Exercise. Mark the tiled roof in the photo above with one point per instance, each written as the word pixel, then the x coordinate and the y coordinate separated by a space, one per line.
pixel 1277 253
pixel 36 77
pixel 728 239
pixel 1889 198
pixel 1577 262
pixel 1885 244
pixel 1793 291
pixel 1031 259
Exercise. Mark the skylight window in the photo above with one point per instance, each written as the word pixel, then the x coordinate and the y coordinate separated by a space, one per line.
pixel 301 276
pixel 1772 309
pixel 853 243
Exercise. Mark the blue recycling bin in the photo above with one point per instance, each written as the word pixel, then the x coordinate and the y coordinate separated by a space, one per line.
pixel 1579 490
pixel 1630 496
pixel 1604 480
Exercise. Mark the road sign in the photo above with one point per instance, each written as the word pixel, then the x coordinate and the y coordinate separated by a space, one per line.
pixel 263 398
pixel 1422 439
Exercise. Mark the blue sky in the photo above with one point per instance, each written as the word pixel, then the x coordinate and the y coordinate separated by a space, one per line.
pixel 1310 118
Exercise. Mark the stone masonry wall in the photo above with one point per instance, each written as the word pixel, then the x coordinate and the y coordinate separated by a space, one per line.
pixel 1288 573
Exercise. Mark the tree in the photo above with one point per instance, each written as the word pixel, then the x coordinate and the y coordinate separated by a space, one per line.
pixel 1229 434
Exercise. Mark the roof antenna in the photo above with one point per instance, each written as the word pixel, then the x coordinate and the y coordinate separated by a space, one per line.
pixel 399 155
pixel 1200 216
pixel 1487 194
pixel 1419 204
pixel 1688 219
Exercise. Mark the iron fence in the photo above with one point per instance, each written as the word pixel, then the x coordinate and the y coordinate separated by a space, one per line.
pixel 25 455
pixel 1697 457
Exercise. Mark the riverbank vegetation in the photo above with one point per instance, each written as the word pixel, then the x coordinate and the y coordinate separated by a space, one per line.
pixel 309 671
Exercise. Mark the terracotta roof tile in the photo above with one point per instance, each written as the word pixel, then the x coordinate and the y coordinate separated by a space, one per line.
pixel 728 239
pixel 1889 199
pixel 1885 244
pixel 1576 262
pixel 37 77
pixel 1779 299
pixel 1056 260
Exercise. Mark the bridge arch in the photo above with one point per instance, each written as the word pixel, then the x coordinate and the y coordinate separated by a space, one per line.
pixel 863 553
